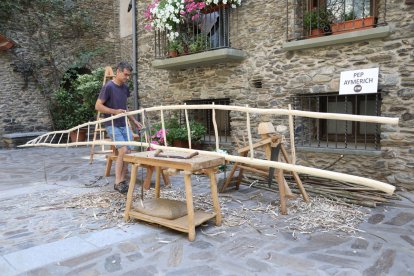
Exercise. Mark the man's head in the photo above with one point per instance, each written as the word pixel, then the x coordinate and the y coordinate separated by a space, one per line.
pixel 123 72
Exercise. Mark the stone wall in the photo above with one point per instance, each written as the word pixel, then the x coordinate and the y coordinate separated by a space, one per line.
pixel 261 34
pixel 23 108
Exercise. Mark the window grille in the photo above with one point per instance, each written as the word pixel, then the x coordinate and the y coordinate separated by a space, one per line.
pixel 316 18
pixel 338 134
pixel 210 30
pixel 205 116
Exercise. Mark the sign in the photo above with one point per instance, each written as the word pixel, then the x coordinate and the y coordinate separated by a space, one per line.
pixel 359 81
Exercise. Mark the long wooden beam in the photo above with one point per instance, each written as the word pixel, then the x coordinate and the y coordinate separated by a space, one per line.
pixel 387 188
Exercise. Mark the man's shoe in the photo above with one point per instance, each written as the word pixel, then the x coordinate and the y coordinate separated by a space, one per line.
pixel 122 187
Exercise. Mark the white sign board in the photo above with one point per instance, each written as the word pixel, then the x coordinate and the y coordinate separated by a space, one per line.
pixel 359 81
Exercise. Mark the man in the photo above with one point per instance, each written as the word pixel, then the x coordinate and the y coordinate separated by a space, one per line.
pixel 112 100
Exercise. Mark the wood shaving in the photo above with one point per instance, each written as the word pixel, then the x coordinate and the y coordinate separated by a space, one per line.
pixel 319 215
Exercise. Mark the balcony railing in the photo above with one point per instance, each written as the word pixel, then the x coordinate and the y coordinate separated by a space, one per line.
pixel 211 29
pixel 316 18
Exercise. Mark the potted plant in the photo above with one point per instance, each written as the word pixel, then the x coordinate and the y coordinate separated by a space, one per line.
pixel 170 15
pixel 174 48
pixel 198 44
pixel 177 135
pixel 317 22
pixel 352 22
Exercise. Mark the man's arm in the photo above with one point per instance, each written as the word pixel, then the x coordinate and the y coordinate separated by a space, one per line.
pixel 132 119
pixel 99 106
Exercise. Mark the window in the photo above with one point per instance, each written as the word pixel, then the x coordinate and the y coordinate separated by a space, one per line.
pixel 205 116
pixel 344 10
pixel 317 18
pixel 322 133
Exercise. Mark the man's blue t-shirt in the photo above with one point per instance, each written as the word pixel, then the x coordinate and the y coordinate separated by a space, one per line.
pixel 115 97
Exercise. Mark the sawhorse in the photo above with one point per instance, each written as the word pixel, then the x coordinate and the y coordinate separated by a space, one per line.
pixel 269 144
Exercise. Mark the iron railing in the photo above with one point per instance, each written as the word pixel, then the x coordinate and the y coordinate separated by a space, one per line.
pixel 315 18
pixel 205 116
pixel 338 134
pixel 214 28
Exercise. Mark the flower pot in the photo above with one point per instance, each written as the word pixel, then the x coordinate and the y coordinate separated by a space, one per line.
pixel 180 143
pixel 75 138
pixel 352 25
pixel 5 43
pixel 173 53
pixel 184 144
pixel 316 33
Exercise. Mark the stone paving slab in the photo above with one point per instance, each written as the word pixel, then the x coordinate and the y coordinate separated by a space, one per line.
pixel 41 255
pixel 38 238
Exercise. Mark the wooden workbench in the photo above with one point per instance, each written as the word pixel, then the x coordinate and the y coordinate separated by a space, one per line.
pixel 186 223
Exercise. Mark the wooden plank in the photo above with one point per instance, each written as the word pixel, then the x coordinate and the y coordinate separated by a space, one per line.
pixel 255 145
pixel 195 163
pixel 179 224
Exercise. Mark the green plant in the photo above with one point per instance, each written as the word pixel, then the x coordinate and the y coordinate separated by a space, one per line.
pixel 198 45
pixel 317 19
pixel 350 16
pixel 175 45
pixel 175 131
pixel 198 130
pixel 73 103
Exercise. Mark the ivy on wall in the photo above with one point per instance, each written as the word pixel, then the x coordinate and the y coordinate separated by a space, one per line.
pixel 52 36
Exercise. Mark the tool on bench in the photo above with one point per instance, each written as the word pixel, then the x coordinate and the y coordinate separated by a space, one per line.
pixel 159 151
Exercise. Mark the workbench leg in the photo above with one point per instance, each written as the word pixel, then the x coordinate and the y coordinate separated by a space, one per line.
pixel 157 181
pixel 214 196
pixel 148 177
pixel 282 193
pixel 190 207
pixel 131 188
pixel 229 177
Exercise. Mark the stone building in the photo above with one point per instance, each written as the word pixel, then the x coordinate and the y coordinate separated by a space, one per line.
pixel 264 54
pixel 32 69
pixel 270 59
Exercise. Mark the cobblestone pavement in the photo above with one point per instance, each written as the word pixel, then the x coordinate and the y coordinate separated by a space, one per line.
pixel 45 229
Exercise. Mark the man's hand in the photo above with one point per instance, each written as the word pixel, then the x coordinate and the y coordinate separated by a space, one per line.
pixel 139 126
pixel 119 111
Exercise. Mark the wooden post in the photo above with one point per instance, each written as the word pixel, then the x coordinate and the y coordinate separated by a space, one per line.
pixel 282 194
pixel 292 137
pixel 249 133
pixel 188 127
pixel 163 128
pixel 215 129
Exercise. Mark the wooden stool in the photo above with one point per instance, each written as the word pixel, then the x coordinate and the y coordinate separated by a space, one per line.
pixel 150 169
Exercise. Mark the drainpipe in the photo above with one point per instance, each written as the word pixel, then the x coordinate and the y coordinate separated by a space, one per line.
pixel 132 5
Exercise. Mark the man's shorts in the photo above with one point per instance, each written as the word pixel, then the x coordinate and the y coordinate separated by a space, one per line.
pixel 120 135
